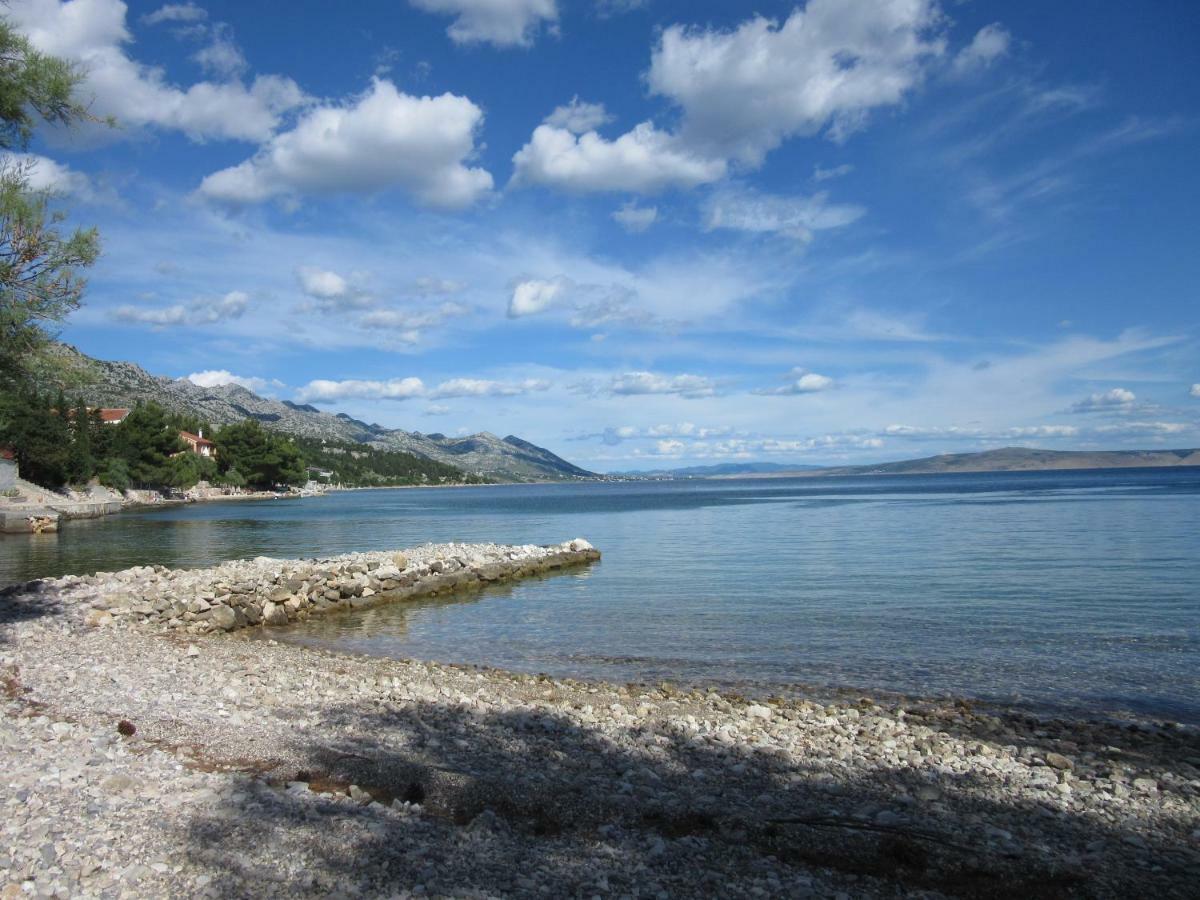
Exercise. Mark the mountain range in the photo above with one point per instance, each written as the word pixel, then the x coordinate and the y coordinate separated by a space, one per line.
pixel 118 384
pixel 1005 459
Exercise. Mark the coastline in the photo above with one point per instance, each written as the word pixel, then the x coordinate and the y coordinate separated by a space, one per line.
pixel 273 769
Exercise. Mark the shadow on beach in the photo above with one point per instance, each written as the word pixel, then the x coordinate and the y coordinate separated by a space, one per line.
pixel 524 803
pixel 22 602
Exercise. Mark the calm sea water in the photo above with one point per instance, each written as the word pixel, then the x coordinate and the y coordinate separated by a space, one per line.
pixel 1076 590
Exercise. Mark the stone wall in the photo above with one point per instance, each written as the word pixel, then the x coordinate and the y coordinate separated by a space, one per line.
pixel 8 474
pixel 272 592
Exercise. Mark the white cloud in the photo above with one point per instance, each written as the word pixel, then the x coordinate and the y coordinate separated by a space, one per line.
pixel 175 12
pixel 955 432
pixel 220 377
pixel 502 23
pixel 743 92
pixel 477 387
pixel 820 174
pixel 635 383
pixel 1151 429
pixel 634 218
pixel 644 160
pixel 221 56
pixel 1195 391
pixel 411 322
pixel 534 296
pixel 802 382
pixel 321 283
pixel 410 388
pixel 324 391
pixel 795 217
pixel 384 139
pixel 44 174
pixel 1115 400
pixel 203 311
pixel 989 44
pixel 578 117
pixel 93 34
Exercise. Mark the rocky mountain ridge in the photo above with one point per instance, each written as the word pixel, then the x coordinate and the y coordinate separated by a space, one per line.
pixel 109 383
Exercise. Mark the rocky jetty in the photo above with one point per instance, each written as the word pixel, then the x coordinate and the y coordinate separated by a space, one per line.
pixel 265 591
pixel 138 763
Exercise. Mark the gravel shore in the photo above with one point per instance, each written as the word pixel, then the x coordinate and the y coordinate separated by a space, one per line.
pixel 141 760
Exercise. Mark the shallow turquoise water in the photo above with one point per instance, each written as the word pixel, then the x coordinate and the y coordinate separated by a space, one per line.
pixel 1056 589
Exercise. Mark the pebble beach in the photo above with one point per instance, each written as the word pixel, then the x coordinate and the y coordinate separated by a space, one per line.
pixel 155 743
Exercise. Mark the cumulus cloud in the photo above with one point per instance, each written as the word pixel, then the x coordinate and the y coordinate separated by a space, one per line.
pixel 408 325
pixel 44 174
pixel 801 382
pixel 383 139
pixel 1115 400
pixel 644 161
pixel 203 311
pixel 477 387
pixel 827 66
pixel 175 12
pixel 578 117
pixel 409 388
pixel 221 377
pixel 533 296
pixel 502 23
pixel 221 56
pixel 93 33
pixel 989 44
pixel 332 291
pixel 742 93
pixel 634 218
pixel 1195 391
pixel 795 217
pixel 324 391
pixel 688 386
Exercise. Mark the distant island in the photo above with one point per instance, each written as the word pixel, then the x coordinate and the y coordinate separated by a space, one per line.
pixel 1006 459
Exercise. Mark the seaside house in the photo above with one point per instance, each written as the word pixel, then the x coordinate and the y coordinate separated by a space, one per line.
pixel 113 416
pixel 198 444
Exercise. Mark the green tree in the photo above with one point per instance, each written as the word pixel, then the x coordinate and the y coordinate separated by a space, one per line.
pixel 185 469
pixel 262 458
pixel 80 464
pixel 40 262
pixel 146 440
pixel 114 473
pixel 42 440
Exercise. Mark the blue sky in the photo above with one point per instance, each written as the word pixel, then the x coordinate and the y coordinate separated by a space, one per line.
pixel 652 234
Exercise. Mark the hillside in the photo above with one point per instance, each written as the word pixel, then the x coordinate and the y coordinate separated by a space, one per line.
pixel 105 383
pixel 1008 459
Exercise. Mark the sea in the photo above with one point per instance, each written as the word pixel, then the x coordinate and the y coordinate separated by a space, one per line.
pixel 1063 592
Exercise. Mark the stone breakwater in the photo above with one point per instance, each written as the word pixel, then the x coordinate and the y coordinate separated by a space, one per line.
pixel 265 591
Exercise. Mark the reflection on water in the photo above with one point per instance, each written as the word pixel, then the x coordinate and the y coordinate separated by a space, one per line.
pixel 1079 588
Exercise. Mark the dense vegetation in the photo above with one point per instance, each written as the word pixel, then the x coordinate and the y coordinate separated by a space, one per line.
pixel 58 443
pixel 361 465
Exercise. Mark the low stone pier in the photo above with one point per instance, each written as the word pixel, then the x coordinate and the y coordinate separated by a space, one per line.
pixel 266 591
